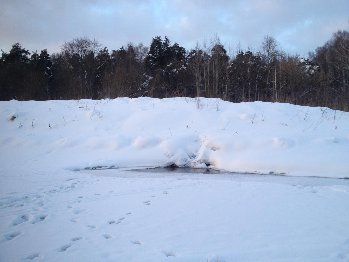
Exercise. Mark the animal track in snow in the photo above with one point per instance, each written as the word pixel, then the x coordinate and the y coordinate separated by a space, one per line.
pixel 12 235
pixel 64 248
pixel 136 242
pixel 146 203
pixel 110 222
pixel 19 220
pixel 33 256
pixel 76 239
pixel 38 219
pixel 106 236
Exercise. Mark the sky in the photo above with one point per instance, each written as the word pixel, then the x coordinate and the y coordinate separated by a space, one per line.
pixel 299 26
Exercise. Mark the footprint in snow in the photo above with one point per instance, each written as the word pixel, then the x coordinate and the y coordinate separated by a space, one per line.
pixel 64 248
pixel 91 226
pixel 19 220
pixel 168 253
pixel 12 235
pixel 33 256
pixel 106 236
pixel 136 242
pixel 74 239
pixel 110 222
pixel 38 219
pixel 146 203
pixel 129 213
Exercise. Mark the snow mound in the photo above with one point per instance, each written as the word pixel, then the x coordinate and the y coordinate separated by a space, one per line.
pixel 244 137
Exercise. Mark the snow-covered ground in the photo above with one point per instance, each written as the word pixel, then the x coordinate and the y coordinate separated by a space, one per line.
pixel 53 207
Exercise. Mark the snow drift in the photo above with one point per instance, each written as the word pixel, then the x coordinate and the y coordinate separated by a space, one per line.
pixel 253 137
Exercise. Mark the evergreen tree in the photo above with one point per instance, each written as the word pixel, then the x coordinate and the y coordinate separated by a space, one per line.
pixel 165 65
pixel 219 63
pixel 41 75
pixel 14 74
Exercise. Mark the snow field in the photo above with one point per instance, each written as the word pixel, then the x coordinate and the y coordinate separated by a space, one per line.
pixel 54 207
pixel 116 215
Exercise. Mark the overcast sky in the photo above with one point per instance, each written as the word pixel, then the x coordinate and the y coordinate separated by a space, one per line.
pixel 299 26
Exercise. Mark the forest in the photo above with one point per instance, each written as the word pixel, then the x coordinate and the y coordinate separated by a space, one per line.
pixel 83 69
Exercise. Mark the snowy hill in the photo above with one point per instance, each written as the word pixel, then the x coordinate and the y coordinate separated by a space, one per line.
pixel 55 207
pixel 246 137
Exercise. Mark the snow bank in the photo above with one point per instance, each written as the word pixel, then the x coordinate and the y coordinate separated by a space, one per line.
pixel 245 137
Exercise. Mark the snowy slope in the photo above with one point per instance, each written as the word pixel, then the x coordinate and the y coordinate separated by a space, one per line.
pixel 54 209
pixel 245 137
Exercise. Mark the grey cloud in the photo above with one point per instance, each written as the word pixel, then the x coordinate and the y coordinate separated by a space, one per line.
pixel 299 26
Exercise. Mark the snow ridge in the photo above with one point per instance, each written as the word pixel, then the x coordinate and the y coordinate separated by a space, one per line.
pixel 244 137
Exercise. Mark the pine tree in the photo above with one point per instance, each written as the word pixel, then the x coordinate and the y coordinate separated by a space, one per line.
pixel 15 73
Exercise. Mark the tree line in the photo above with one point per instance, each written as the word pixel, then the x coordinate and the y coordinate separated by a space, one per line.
pixel 84 69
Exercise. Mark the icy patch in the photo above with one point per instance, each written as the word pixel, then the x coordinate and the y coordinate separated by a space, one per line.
pixel 99 167
pixel 176 169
